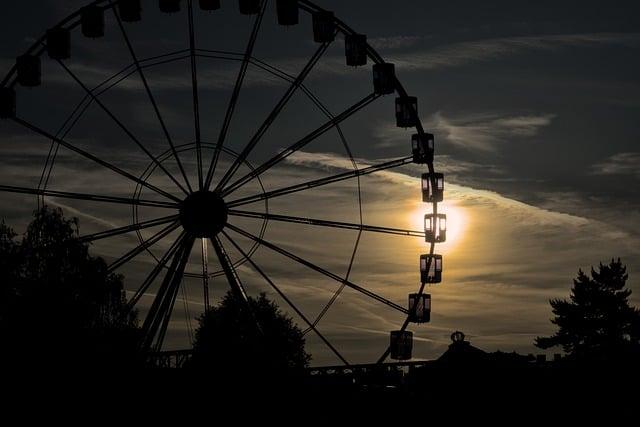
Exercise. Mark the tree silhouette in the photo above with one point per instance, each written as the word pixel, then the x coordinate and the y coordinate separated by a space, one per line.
pixel 228 336
pixel 60 304
pixel 597 322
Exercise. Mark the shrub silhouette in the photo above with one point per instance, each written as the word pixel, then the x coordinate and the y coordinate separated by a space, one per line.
pixel 597 322
pixel 58 303
pixel 228 337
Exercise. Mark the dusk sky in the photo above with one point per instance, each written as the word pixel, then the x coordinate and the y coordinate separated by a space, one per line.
pixel 536 114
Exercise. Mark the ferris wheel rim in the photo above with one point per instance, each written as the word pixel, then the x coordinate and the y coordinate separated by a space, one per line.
pixel 37 49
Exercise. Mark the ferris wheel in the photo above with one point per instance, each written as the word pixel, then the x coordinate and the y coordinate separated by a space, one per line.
pixel 190 207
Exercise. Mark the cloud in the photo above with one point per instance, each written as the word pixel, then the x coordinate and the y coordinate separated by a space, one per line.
pixel 394 42
pixel 619 164
pixel 414 57
pixel 485 131
pixel 491 198
pixel 481 131
pixel 459 54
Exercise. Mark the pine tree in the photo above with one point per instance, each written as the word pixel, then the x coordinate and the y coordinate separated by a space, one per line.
pixel 597 322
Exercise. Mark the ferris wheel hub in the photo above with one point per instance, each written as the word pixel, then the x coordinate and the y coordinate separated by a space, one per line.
pixel 203 213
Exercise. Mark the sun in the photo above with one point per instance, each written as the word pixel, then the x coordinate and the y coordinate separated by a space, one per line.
pixel 457 219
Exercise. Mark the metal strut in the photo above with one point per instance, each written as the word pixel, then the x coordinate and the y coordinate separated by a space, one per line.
pixel 196 98
pixel 320 182
pixel 235 95
pixel 157 319
pixel 85 196
pixel 302 142
pixel 156 270
pixel 320 270
pixel 325 223
pixel 287 300
pixel 93 158
pixel 128 229
pixel 272 116
pixel 233 279
pixel 143 246
pixel 152 100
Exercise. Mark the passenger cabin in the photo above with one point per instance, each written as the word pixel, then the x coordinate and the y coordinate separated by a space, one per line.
pixel 407 112
pixel 422 146
pixel 209 5
pixel 384 78
pixel 92 21
pixel 429 193
pixel 7 103
pixel 401 345
pixel 430 269
pixel 169 6
pixel 130 10
pixel 420 308
pixel 29 70
pixel 249 7
pixel 355 46
pixel 435 228
pixel 59 43
pixel 288 13
pixel 324 27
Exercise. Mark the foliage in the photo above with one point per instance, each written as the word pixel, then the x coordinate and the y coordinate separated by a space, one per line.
pixel 228 335
pixel 598 321
pixel 56 297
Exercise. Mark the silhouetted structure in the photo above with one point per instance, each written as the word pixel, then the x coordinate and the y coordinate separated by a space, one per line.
pixel 461 351
pixel 203 211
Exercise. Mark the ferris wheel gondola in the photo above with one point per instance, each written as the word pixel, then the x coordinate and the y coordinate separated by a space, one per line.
pixel 204 209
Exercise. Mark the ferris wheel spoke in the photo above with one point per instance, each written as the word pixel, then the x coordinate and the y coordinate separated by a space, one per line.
pixel 320 182
pixel 235 95
pixel 230 272
pixel 143 246
pixel 194 86
pixel 205 275
pixel 156 271
pixel 121 125
pixel 87 100
pixel 157 319
pixel 88 197
pixel 152 99
pixel 301 143
pixel 286 299
pixel 234 280
pixel 93 158
pixel 325 223
pixel 318 269
pixel 176 284
pixel 273 115
pixel 128 229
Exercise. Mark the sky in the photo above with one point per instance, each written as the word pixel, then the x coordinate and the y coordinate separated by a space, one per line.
pixel 536 113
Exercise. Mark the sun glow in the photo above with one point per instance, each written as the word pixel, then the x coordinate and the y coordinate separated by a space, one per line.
pixel 456 223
